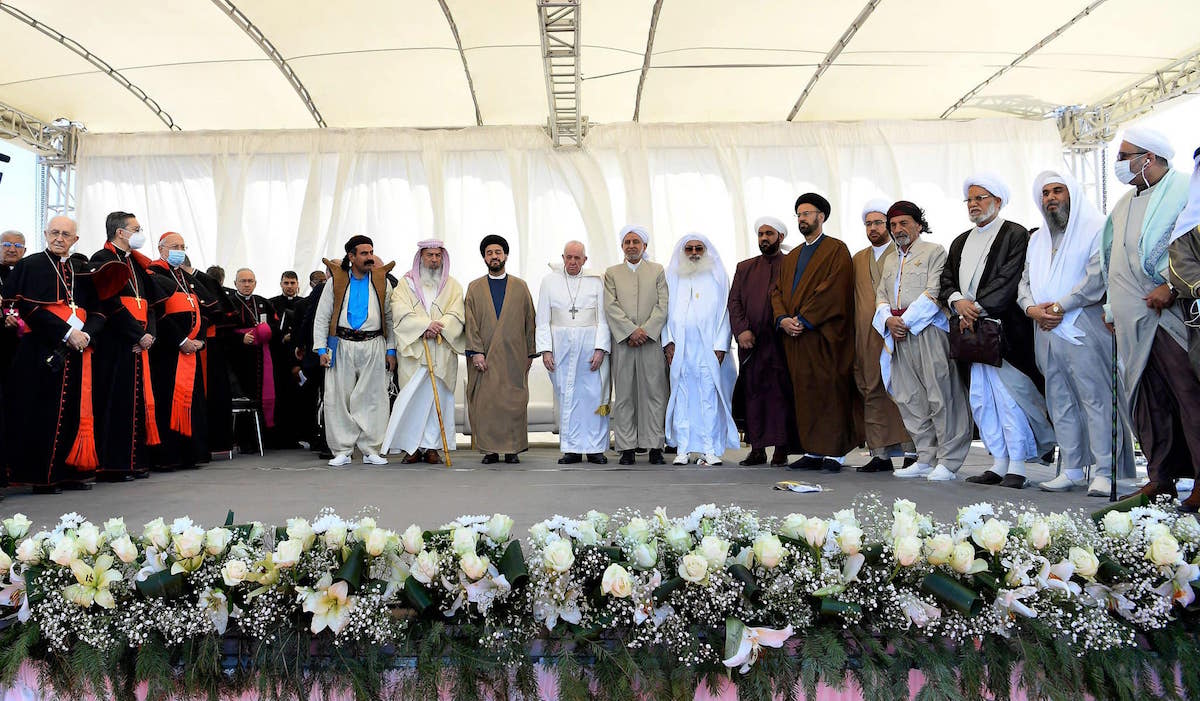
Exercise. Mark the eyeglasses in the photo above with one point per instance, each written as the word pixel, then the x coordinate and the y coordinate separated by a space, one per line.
pixel 693 249
pixel 56 234
pixel 1127 156
pixel 977 200
pixel 175 247
pixel 133 231
pixel 10 244
pixel 875 222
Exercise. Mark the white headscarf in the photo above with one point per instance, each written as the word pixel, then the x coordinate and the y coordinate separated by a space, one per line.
pixel 878 204
pixel 677 255
pixel 1150 139
pixel 774 222
pixel 641 231
pixel 1189 218
pixel 1052 276
pixel 993 183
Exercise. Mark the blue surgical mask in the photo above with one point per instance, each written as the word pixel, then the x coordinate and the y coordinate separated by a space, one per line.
pixel 175 258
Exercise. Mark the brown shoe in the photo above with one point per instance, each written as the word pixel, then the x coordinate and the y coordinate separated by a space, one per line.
pixel 413 458
pixel 780 457
pixel 988 477
pixel 1191 505
pixel 1153 490
pixel 432 457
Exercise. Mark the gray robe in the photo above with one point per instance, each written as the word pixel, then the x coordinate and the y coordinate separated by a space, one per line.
pixel 640 387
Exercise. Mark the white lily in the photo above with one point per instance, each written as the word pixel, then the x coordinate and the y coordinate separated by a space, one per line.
pixel 14 595
pixel 753 641
pixel 330 604
pixel 551 612
pixel 1009 602
pixel 1111 598
pixel 156 561
pixel 1178 589
pixel 93 582
pixel 217 606
pixel 1058 577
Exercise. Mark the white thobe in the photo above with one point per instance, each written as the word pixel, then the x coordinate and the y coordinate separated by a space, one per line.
pixel 572 325
pixel 699 418
pixel 1007 407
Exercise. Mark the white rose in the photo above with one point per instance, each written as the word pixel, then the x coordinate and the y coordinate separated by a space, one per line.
pixel 693 567
pixel 815 531
pixel 904 525
pixel 587 533
pixel 216 540
pixel 64 551
pixel 1039 534
pixel 335 536
pixel 679 539
pixel 714 550
pixel 539 532
pixel 377 541
pixel 598 520
pixel 1164 550
pixel 499 528
pixel 745 558
pixel 645 555
pixel 1118 523
pixel 362 528
pixel 234 572
pixel 992 535
pixel 904 506
pixel 850 540
pixel 474 566
pixel 792 526
pixel 558 556
pixel 413 540
pixel 846 517
pixel 30 551
pixel 463 541
pixel 425 567
pixel 287 553
pixel 1085 561
pixel 5 564
pixel 190 542
pixel 908 550
pixel 768 550
pixel 940 548
pixel 300 529
pixel 158 533
pixel 17 526
pixel 87 538
pixel 963 557
pixel 637 529
pixel 124 548
pixel 1154 530
pixel 616 582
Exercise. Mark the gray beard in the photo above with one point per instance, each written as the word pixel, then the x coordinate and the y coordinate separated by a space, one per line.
pixel 430 277
pixel 688 269
pixel 1059 218
pixel 985 215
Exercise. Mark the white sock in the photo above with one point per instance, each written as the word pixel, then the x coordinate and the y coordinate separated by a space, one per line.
pixel 1000 466
pixel 1016 467
pixel 1075 473
pixel 922 466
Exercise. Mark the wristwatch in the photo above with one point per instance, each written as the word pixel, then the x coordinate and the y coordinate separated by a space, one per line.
pixel 1057 309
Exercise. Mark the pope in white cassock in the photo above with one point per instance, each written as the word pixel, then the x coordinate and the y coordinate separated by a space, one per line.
pixel 696 340
pixel 427 313
pixel 574 341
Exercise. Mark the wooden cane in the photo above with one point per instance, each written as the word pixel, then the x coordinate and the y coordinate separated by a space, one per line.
pixel 437 402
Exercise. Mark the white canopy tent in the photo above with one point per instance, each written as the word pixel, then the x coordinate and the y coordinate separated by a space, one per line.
pixel 298 116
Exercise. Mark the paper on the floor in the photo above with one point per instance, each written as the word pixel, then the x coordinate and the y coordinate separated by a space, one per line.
pixel 802 487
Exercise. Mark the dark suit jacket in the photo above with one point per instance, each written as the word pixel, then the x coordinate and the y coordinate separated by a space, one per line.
pixel 997 293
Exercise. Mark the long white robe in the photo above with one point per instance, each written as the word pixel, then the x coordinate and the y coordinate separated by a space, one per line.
pixel 414 420
pixel 582 394
pixel 699 418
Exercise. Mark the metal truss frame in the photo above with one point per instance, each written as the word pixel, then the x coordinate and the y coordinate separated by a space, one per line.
pixel 560 32
pixel 833 54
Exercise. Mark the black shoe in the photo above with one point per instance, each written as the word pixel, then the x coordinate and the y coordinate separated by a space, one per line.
pixel 490 458
pixel 909 460
pixel 780 458
pixel 141 475
pixel 756 457
pixel 566 459
pixel 511 459
pixel 325 455
pixel 876 465
pixel 77 486
pixel 1014 481
pixel 626 458
pixel 671 450
pixel 656 457
pixel 114 477
pixel 988 477
pixel 806 462
pixel 597 458
pixel 47 489
pixel 830 465
pixel 1048 458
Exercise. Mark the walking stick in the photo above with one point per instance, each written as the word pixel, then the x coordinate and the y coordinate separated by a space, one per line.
pixel 437 402
pixel 1112 492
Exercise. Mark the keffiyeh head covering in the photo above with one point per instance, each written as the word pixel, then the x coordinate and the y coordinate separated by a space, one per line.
pixel 415 274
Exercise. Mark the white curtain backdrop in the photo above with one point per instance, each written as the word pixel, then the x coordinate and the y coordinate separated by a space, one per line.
pixel 282 200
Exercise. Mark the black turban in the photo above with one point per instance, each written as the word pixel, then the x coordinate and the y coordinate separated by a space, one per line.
pixel 905 207
pixel 493 239
pixel 815 200
pixel 357 240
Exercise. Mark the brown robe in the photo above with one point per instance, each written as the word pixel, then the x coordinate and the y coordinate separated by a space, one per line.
pixel 1185 276
pixel 498 400
pixel 881 419
pixel 821 359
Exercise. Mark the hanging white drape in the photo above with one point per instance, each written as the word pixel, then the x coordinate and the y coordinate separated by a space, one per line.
pixel 282 200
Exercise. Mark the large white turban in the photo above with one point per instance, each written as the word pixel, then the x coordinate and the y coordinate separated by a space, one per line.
pixel 876 205
pixel 989 181
pixel 1149 139
pixel 638 229
pixel 774 222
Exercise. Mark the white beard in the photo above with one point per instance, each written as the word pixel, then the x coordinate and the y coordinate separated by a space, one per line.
pixel 430 278
pixel 687 268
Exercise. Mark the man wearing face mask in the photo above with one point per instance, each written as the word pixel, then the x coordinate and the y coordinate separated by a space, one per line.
pixel 1161 392
pixel 125 407
pixel 184 309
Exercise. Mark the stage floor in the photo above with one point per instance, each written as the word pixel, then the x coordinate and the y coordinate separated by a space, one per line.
pixel 295 483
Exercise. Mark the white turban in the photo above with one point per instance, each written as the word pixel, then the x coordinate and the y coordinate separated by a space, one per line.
pixel 774 222
pixel 988 181
pixel 638 229
pixel 876 205
pixel 1190 217
pixel 1149 139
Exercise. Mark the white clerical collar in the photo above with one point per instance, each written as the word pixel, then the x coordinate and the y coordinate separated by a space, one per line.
pixel 501 276
pixel 814 241
pixel 634 266
pixel 991 227
pixel 880 249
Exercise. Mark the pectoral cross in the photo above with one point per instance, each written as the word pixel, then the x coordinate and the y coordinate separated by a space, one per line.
pixel 73 307
pixel 573 310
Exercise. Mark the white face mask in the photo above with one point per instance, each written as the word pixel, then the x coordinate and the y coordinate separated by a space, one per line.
pixel 1125 174
pixel 137 240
